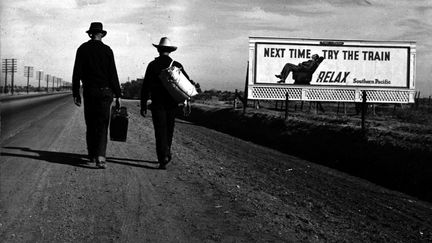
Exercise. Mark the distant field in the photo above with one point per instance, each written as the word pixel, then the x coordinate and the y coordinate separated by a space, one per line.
pixel 394 151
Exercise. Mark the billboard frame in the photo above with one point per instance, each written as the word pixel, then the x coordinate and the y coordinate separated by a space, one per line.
pixel 332 93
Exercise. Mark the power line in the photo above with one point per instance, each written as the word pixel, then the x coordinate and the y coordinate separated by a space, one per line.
pixel 9 65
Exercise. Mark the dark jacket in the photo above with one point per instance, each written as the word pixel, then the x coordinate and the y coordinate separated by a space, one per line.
pixel 153 88
pixel 307 68
pixel 95 67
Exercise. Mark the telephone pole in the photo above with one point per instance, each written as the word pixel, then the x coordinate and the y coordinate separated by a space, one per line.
pixel 5 70
pixel 13 71
pixel 9 65
pixel 39 75
pixel 28 72
pixel 47 80
pixel 53 78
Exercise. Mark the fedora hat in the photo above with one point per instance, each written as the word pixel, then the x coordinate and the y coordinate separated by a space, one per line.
pixel 96 27
pixel 165 44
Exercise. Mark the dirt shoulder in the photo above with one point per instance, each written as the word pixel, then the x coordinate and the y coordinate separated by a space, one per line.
pixel 275 192
pixel 391 153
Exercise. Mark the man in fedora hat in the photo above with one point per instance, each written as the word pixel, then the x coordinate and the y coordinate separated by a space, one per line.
pixel 163 106
pixel 95 68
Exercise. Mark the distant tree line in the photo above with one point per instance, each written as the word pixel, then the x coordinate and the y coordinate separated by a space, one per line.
pixel 132 89
pixel 220 95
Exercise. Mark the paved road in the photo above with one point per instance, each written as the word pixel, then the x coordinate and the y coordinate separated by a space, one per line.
pixel 218 188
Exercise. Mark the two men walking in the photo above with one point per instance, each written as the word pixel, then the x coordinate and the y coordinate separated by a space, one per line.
pixel 95 68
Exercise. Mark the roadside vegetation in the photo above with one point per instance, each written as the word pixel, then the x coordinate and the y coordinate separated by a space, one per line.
pixel 394 150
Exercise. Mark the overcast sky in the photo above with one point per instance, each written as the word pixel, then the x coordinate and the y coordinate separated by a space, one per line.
pixel 211 35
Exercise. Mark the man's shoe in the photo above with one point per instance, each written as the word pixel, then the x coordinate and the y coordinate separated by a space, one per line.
pixel 278 76
pixel 169 157
pixel 91 158
pixel 100 162
pixel 162 165
pixel 280 81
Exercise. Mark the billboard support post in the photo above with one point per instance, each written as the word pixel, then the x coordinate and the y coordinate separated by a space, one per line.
pixel 245 100
pixel 363 110
pixel 417 99
pixel 235 99
pixel 286 105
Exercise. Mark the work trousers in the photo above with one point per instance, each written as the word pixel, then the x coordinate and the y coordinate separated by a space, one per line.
pixel 163 123
pixel 97 104
pixel 289 67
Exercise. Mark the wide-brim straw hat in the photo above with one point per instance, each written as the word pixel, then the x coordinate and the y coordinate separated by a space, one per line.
pixel 96 27
pixel 165 45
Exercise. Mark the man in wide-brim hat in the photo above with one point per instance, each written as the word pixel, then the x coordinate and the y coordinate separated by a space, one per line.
pixel 165 45
pixel 95 68
pixel 163 106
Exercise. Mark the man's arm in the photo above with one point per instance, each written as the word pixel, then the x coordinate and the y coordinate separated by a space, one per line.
pixel 307 65
pixel 76 78
pixel 145 91
pixel 311 65
pixel 114 77
pixel 77 74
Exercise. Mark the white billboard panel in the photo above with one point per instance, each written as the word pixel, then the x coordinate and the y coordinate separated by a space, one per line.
pixel 333 64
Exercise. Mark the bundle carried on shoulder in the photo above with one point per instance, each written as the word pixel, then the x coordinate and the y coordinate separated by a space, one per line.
pixel 178 86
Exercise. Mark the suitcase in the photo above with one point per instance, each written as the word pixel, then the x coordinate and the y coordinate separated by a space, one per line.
pixel 119 124
pixel 178 86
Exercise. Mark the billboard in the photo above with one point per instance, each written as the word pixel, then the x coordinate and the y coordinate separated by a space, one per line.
pixel 332 64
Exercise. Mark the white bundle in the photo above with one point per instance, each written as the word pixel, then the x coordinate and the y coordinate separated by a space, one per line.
pixel 179 87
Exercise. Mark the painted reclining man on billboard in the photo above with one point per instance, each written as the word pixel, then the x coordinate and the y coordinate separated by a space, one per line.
pixel 302 73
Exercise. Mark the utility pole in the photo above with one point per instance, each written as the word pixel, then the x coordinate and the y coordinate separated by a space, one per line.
pixel 47 79
pixel 39 75
pixel 9 66
pixel 5 70
pixel 53 78
pixel 14 69
pixel 28 72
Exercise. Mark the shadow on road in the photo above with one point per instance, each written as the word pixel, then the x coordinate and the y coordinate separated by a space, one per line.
pixel 78 160
pixel 123 161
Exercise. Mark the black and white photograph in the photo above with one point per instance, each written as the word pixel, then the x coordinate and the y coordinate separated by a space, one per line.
pixel 216 121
